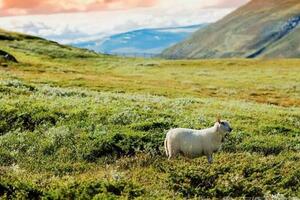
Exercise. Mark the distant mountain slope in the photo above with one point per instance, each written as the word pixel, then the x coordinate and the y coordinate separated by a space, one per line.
pixel 141 42
pixel 268 28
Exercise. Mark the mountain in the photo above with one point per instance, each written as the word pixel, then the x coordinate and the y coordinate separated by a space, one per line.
pixel 269 29
pixel 141 42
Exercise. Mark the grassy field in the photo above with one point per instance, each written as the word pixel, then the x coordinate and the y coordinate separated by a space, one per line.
pixel 74 124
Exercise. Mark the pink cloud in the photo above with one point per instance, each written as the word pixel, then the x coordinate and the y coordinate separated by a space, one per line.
pixel 23 7
pixel 28 7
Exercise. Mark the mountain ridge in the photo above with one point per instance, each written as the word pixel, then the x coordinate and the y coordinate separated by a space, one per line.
pixel 146 41
pixel 253 30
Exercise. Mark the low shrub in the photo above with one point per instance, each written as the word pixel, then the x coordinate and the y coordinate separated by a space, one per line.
pixel 266 145
pixel 116 145
pixel 78 189
pixel 158 125
pixel 240 178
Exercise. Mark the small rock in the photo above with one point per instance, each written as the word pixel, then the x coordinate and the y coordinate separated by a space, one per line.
pixel 7 56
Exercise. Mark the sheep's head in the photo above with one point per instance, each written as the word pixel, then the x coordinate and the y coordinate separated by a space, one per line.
pixel 223 126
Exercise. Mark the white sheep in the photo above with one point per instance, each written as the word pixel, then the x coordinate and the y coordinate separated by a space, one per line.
pixel 194 143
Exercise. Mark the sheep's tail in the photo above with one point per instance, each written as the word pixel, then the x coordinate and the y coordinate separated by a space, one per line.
pixel 166 147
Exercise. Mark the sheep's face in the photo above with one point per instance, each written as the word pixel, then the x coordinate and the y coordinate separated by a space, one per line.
pixel 224 127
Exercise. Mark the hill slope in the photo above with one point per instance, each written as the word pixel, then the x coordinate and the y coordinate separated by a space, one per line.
pixel 80 125
pixel 22 45
pixel 141 42
pixel 259 29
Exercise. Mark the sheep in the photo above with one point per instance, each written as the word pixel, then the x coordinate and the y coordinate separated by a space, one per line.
pixel 195 143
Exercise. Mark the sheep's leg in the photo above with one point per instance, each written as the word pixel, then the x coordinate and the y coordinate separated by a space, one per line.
pixel 166 148
pixel 172 153
pixel 210 158
pixel 172 149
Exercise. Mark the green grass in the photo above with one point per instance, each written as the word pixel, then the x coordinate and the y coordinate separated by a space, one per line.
pixel 75 124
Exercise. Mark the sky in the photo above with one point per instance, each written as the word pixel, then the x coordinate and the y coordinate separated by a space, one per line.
pixel 69 21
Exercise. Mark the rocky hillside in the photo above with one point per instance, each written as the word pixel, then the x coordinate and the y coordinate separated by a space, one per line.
pixel 268 28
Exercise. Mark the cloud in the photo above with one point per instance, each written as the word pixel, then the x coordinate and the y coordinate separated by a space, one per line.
pixel 81 26
pixel 224 3
pixel 29 7
pixel 101 23
pixel 26 7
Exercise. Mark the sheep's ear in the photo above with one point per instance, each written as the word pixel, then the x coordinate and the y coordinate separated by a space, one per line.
pixel 219 118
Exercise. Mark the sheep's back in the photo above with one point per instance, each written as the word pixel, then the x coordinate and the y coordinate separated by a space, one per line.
pixel 188 141
pixel 179 133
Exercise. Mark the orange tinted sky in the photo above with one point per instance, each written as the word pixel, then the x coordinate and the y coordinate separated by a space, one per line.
pixel 23 7
pixel 28 7
pixel 86 20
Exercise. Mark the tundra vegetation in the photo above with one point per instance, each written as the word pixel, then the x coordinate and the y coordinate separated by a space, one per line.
pixel 75 124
